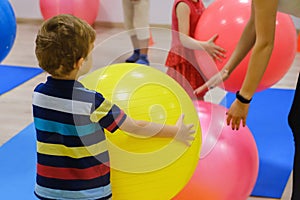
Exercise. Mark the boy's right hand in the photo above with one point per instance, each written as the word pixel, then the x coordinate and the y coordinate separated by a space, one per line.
pixel 185 132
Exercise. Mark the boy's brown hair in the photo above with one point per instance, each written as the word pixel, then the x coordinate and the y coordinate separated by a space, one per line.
pixel 61 42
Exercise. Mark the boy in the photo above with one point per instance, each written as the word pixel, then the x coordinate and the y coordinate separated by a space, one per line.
pixel 72 158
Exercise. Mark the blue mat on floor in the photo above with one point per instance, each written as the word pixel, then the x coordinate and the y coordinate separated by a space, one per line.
pixel 267 120
pixel 18 165
pixel 12 76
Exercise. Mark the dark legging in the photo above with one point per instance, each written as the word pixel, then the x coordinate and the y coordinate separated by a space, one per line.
pixel 294 122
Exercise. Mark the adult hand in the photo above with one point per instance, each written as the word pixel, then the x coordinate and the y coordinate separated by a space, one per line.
pixel 236 114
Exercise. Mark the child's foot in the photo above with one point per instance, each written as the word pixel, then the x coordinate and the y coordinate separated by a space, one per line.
pixel 143 59
pixel 134 57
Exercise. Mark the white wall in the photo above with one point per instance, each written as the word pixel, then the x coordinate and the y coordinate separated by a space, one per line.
pixel 109 10
pixel 26 8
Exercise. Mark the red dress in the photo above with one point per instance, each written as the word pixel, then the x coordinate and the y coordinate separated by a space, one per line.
pixel 181 61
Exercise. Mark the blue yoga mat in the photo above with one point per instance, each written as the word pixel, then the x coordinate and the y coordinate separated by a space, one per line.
pixel 13 76
pixel 18 165
pixel 267 120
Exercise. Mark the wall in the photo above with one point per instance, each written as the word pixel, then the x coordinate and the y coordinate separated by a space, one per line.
pixel 109 10
pixel 160 11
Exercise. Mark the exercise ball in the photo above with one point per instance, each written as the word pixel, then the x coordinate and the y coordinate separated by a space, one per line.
pixel 228 19
pixel 83 9
pixel 229 171
pixel 8 28
pixel 298 44
pixel 152 167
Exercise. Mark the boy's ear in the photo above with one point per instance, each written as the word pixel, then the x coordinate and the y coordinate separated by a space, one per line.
pixel 79 63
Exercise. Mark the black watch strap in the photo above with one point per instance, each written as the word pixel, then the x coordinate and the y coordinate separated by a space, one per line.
pixel 241 98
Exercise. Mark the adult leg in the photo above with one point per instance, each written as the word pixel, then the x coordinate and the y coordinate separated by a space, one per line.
pixel 128 11
pixel 141 24
pixel 294 123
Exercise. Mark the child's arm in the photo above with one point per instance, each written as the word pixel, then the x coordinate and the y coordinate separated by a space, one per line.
pixel 183 16
pixel 181 132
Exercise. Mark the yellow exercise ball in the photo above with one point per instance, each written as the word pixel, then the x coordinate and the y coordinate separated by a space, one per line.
pixel 147 168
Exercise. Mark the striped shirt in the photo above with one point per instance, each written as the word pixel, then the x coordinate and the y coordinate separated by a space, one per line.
pixel 72 156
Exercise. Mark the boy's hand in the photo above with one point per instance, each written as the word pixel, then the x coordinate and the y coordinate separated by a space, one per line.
pixel 185 132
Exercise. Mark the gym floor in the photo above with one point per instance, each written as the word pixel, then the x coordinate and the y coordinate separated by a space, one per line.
pixel 15 105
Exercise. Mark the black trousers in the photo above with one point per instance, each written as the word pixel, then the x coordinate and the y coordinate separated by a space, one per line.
pixel 294 123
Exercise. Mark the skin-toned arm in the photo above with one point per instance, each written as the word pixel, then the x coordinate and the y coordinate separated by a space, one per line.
pixel 258 35
pixel 181 132
pixel 183 13
pixel 244 45
pixel 290 7
pixel 265 23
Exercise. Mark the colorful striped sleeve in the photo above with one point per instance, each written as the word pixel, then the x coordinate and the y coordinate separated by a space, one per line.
pixel 107 114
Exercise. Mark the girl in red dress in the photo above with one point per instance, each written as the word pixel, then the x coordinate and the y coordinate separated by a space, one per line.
pixel 181 61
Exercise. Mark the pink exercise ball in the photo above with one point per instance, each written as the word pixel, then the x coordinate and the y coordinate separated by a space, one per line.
pixel 229 171
pixel 83 9
pixel 228 19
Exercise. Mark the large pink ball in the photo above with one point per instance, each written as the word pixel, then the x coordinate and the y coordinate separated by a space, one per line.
pixel 228 19
pixel 83 9
pixel 229 169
